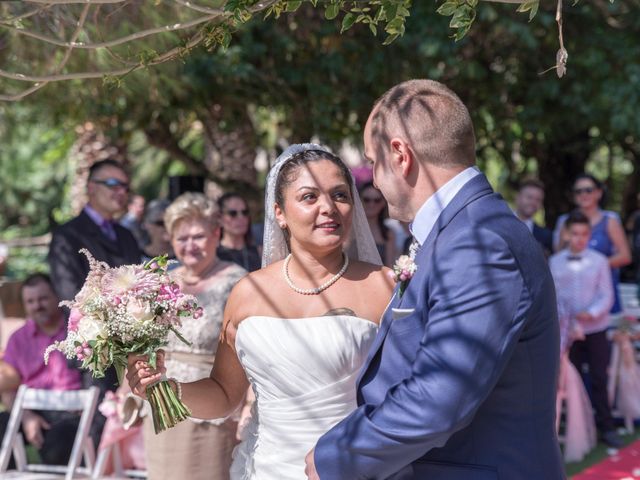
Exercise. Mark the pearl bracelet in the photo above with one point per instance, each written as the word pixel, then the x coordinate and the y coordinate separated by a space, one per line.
pixel 178 387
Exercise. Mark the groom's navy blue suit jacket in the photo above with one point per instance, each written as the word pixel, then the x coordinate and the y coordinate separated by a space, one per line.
pixel 460 382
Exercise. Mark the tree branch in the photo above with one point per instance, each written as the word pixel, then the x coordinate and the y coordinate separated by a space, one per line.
pixel 73 2
pixel 63 62
pixel 195 40
pixel 198 8
pixel 160 136
pixel 213 15
pixel 28 14
pixel 118 41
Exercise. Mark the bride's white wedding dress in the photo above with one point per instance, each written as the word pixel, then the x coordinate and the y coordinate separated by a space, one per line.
pixel 303 372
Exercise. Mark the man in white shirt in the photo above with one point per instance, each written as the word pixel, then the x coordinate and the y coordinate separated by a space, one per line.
pixel 465 362
pixel 585 292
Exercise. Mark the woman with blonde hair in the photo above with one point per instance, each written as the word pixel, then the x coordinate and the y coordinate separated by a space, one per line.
pixel 196 448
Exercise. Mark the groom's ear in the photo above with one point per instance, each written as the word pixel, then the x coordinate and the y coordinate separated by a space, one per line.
pixel 401 156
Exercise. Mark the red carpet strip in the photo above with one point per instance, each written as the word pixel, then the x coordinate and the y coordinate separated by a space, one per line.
pixel 625 465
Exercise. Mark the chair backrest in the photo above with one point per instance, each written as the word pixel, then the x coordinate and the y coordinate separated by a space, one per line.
pixel 84 401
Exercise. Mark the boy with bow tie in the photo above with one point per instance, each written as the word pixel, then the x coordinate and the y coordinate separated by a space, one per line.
pixel 585 292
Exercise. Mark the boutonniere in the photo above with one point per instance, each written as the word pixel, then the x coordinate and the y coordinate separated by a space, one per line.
pixel 403 270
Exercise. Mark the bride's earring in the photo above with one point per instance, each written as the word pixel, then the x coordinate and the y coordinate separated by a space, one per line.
pixel 283 226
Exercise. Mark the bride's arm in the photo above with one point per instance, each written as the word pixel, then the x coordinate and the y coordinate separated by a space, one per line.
pixel 214 397
pixel 220 394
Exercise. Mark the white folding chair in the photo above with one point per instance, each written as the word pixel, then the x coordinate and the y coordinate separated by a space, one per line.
pixel 118 471
pixel 83 401
pixel 630 308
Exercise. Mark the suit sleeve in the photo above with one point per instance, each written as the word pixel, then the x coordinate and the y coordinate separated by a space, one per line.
pixel 65 263
pixel 478 305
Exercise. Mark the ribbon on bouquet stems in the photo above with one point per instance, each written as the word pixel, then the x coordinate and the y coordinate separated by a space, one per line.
pixel 167 410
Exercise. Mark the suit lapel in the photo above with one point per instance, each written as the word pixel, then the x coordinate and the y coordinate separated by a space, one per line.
pixel 475 188
pixel 101 240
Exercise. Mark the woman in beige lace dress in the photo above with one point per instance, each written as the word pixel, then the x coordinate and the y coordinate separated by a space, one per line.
pixel 195 449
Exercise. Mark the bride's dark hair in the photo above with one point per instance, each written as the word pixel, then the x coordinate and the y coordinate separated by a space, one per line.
pixel 288 172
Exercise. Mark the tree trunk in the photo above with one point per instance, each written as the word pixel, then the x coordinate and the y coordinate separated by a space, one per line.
pixel 230 148
pixel 630 195
pixel 559 162
pixel 91 147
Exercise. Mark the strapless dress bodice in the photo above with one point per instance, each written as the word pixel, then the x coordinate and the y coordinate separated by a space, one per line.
pixel 303 372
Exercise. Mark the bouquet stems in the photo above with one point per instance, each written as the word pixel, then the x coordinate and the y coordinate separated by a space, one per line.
pixel 166 409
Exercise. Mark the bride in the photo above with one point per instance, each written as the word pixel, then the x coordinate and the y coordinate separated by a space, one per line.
pixel 298 330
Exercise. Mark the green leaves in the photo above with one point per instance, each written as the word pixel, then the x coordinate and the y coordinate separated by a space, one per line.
pixel 530 6
pixel 331 11
pixel 462 13
pixel 292 6
pixel 391 13
pixel 348 20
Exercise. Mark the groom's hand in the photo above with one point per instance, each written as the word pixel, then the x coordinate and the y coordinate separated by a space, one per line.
pixel 310 468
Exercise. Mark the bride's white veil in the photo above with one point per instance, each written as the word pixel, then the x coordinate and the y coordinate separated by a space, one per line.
pixel 361 245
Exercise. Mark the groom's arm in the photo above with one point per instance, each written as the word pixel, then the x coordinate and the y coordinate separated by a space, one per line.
pixel 477 307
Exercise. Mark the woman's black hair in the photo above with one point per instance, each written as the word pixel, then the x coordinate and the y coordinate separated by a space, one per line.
pixel 599 185
pixel 288 172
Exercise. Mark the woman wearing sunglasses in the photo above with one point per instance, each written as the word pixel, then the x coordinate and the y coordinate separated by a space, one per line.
pixel 375 208
pixel 236 242
pixel 607 233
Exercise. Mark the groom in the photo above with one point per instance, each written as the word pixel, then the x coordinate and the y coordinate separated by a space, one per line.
pixel 460 383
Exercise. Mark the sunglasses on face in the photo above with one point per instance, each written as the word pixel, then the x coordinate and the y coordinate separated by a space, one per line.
pixel 234 213
pixel 578 191
pixel 158 223
pixel 375 200
pixel 112 183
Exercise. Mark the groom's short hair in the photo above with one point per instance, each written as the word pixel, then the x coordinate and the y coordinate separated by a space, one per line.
pixel 431 118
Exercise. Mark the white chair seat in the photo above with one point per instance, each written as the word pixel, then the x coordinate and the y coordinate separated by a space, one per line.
pixel 83 401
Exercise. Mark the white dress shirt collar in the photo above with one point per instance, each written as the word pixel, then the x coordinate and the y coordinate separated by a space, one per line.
pixel 529 223
pixel 429 212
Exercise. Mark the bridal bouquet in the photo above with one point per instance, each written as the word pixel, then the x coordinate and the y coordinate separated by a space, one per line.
pixel 124 310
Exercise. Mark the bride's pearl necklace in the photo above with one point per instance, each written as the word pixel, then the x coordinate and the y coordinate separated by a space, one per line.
pixel 317 290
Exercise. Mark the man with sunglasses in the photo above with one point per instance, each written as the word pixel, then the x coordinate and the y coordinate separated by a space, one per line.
pixel 96 230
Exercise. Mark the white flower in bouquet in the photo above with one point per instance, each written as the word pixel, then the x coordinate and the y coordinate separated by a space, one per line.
pixel 125 310
pixel 90 327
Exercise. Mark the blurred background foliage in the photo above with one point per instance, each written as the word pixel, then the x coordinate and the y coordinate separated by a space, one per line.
pixel 297 77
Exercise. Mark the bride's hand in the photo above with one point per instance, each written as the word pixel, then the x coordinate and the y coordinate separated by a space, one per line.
pixel 140 375
pixel 310 467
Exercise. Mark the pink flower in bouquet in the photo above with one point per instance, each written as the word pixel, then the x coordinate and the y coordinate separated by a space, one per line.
pixel 74 319
pixel 84 351
pixel 130 279
pixel 169 292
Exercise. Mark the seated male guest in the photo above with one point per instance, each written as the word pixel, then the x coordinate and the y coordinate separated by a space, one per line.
pixel 51 433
